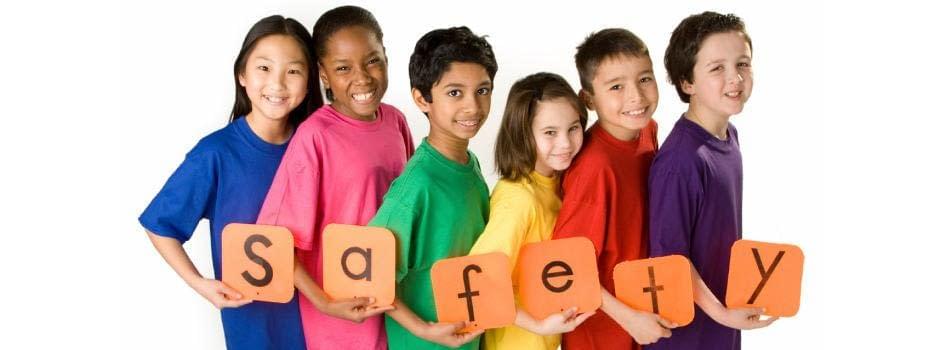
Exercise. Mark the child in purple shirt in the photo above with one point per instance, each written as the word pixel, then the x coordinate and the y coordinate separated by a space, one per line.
pixel 695 183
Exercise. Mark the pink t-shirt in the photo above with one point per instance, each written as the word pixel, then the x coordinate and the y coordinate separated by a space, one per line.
pixel 336 170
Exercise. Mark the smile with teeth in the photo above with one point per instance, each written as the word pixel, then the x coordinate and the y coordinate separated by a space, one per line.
pixel 636 112
pixel 468 123
pixel 363 96
pixel 274 99
pixel 733 94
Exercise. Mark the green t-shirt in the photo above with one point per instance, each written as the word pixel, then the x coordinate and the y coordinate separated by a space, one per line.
pixel 437 208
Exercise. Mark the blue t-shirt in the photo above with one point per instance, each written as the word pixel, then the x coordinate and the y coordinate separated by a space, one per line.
pixel 225 179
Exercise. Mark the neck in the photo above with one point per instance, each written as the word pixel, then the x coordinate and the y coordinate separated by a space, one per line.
pixel 620 133
pixel 451 147
pixel 715 124
pixel 544 170
pixel 273 131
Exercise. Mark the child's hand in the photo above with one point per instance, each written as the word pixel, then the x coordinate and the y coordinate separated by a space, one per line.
pixel 355 309
pixel 218 293
pixel 646 328
pixel 561 322
pixel 745 318
pixel 447 334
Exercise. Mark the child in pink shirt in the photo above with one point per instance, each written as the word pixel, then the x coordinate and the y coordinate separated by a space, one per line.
pixel 337 168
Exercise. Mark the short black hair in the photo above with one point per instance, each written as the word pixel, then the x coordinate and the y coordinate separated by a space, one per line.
pixel 687 40
pixel 437 49
pixel 338 18
pixel 605 44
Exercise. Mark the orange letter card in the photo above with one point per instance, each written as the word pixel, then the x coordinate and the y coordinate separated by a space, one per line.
pixel 476 289
pixel 359 261
pixel 765 275
pixel 558 274
pixel 659 285
pixel 258 261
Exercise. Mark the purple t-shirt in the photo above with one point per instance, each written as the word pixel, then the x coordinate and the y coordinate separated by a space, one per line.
pixel 695 188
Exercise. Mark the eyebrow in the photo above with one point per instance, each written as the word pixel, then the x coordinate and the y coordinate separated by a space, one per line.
pixel 301 62
pixel 369 55
pixel 459 85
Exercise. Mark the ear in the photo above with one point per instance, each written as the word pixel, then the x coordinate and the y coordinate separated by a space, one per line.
pixel 323 80
pixel 241 79
pixel 688 88
pixel 422 104
pixel 587 98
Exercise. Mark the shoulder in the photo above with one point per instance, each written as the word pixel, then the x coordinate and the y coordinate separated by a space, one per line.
pixel 515 193
pixel 216 144
pixel 392 112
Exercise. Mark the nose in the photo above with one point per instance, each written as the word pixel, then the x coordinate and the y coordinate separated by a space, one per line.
pixel 362 76
pixel 276 81
pixel 564 142
pixel 735 76
pixel 632 93
pixel 471 106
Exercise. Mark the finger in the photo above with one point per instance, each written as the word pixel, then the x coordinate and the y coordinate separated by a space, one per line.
pixel 353 302
pixel 228 292
pixel 569 313
pixel 767 322
pixel 376 311
pixel 467 337
pixel 666 333
pixel 233 303
pixel 666 323
pixel 583 317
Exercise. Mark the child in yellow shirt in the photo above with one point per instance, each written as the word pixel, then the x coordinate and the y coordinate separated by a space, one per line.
pixel 541 132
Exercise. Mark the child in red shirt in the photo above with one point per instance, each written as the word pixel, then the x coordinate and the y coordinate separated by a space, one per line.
pixel 605 189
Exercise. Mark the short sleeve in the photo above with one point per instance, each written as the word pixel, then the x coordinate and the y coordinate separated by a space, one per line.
pixel 186 198
pixel 675 201
pixel 510 216
pixel 292 200
pixel 403 222
pixel 583 210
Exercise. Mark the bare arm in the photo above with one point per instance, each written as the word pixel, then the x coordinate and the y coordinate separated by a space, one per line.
pixel 446 334
pixel 356 309
pixel 644 327
pixel 744 318
pixel 216 292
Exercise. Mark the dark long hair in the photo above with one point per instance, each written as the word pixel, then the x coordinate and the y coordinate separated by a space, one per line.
pixel 278 25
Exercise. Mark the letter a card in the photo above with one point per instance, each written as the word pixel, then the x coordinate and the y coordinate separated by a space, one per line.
pixel 661 285
pixel 258 261
pixel 476 289
pixel 556 275
pixel 359 261
pixel 765 275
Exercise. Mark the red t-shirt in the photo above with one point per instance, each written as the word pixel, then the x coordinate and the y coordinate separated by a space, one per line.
pixel 605 200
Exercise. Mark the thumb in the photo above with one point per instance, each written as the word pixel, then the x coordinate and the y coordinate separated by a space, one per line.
pixel 666 323
pixel 228 292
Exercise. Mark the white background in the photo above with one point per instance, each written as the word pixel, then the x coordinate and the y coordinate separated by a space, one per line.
pixel 100 102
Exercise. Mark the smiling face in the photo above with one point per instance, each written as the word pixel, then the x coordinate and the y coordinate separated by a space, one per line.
pixel 722 76
pixel 355 69
pixel 461 102
pixel 625 94
pixel 556 129
pixel 275 77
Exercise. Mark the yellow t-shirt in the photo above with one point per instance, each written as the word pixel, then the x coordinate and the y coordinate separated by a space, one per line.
pixel 521 212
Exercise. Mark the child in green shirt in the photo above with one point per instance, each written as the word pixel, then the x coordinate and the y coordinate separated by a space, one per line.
pixel 439 205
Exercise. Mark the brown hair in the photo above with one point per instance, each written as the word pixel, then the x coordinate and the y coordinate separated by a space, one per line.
pixel 604 44
pixel 687 40
pixel 515 144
